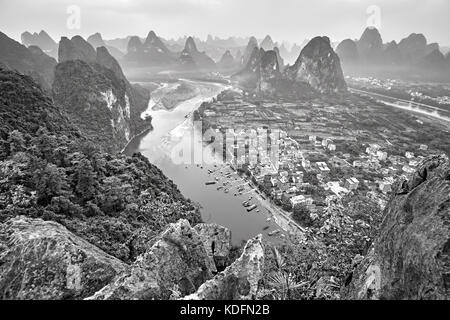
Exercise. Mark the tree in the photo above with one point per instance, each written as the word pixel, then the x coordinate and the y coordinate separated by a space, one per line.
pixel 50 182
pixel 282 281
pixel 85 178
pixel 16 142
pixel 302 215
pixel 115 195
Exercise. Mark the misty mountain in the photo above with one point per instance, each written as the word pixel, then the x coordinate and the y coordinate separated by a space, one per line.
pixel 261 73
pixel 153 52
pixel 192 58
pixel 252 44
pixel 347 51
pixel 370 45
pixel 96 40
pixel 41 40
pixel 227 61
pixel 279 59
pixel 413 56
pixel 318 66
pixel 267 43
pixel 29 61
pixel 316 69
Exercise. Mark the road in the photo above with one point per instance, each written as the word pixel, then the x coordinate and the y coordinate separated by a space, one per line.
pixel 413 103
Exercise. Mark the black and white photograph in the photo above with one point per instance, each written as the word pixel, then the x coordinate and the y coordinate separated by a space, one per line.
pixel 261 151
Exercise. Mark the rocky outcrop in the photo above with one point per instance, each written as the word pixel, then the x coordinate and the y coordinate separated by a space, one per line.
pixel 240 280
pixel 178 261
pixel 319 67
pixel 29 61
pixel 411 257
pixel 217 242
pixel 42 260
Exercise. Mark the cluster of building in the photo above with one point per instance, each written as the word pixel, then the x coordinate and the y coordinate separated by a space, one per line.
pixel 309 161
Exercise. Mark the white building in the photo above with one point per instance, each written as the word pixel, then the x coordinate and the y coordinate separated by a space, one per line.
pixel 382 155
pixel 323 167
pixel 409 155
pixel 351 183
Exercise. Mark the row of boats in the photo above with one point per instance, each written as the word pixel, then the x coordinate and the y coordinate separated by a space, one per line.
pixel 226 186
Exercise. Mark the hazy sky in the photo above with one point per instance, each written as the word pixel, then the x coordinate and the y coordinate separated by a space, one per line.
pixel 291 20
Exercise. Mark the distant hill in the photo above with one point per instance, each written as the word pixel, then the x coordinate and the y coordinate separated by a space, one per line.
pixel 31 61
pixel 412 57
pixel 96 40
pixel 153 52
pixel 192 58
pixel 317 69
pixel 41 40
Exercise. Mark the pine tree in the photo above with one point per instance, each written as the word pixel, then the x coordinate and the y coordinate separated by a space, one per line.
pixel 86 180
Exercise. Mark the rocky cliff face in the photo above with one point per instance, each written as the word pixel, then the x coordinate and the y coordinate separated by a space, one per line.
pixel 91 87
pixel 411 257
pixel 178 261
pixel 97 104
pixel 29 61
pixel 240 280
pixel 42 260
pixel 217 241
pixel 319 67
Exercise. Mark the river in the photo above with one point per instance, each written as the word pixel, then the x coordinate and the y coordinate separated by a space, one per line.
pixel 173 130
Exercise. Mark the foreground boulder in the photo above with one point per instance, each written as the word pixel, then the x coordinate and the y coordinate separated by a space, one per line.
pixel 176 262
pixel 42 260
pixel 240 280
pixel 411 257
pixel 217 242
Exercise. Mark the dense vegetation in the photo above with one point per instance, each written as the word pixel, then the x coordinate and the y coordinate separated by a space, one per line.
pixel 317 265
pixel 49 170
